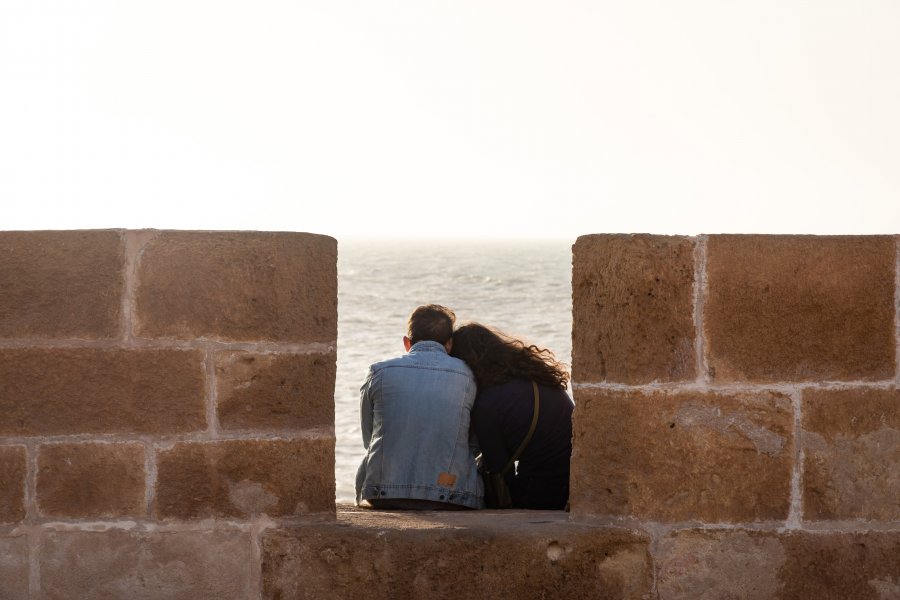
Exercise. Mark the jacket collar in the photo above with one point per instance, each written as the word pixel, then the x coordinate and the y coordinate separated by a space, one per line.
pixel 427 346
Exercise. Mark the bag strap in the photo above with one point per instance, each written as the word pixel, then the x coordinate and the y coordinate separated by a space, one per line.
pixel 534 420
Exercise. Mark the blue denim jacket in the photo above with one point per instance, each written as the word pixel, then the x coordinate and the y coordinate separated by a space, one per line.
pixel 415 413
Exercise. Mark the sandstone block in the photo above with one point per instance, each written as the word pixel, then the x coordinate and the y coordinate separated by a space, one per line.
pixel 91 480
pixel 838 566
pixel 688 456
pixel 55 391
pixel 633 309
pixel 851 442
pixel 800 308
pixel 275 391
pixel 61 284
pixel 146 565
pixel 13 568
pixel 469 555
pixel 12 483
pixel 788 566
pixel 238 286
pixel 711 565
pixel 244 478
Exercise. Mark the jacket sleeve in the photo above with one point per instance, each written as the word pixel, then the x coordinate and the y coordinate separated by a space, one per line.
pixel 490 438
pixel 367 408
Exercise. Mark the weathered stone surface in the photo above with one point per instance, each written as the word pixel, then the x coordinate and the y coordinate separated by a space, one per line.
pixel 460 555
pixel 61 284
pixel 243 478
pixel 682 456
pixel 788 566
pixel 91 480
pixel 238 286
pixel 188 565
pixel 712 565
pixel 800 308
pixel 838 566
pixel 13 568
pixel 633 309
pixel 12 483
pixel 275 391
pixel 851 442
pixel 52 391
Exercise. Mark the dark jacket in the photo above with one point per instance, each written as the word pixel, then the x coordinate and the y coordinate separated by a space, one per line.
pixel 501 418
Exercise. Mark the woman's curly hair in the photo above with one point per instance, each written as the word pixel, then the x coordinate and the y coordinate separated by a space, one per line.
pixel 497 358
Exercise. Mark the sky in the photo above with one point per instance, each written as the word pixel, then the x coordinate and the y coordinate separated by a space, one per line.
pixel 422 119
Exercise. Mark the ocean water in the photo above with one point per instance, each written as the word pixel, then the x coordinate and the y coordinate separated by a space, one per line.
pixel 520 287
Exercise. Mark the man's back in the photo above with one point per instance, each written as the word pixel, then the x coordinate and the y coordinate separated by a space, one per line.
pixel 415 413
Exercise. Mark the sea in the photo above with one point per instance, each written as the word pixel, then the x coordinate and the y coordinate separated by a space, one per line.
pixel 522 287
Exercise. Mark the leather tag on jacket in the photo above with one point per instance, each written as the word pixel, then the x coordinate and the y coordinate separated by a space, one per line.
pixel 447 480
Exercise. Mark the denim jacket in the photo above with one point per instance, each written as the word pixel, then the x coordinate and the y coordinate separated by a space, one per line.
pixel 414 412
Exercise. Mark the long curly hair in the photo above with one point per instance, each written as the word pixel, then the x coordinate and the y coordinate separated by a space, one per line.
pixel 497 358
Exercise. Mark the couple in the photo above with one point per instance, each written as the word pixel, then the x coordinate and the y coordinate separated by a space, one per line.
pixel 426 414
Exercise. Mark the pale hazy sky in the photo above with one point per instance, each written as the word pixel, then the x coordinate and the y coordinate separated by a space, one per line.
pixel 416 118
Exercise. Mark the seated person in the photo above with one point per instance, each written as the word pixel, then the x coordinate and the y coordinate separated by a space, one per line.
pixel 415 414
pixel 504 369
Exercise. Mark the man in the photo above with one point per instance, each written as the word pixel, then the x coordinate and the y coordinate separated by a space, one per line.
pixel 415 412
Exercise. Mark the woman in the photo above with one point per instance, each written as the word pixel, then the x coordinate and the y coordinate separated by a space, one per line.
pixel 504 370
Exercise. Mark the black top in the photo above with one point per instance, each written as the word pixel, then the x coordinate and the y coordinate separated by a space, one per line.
pixel 501 418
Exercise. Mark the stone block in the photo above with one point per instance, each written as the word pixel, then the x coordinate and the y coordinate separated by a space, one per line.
pixel 851 443
pixel 800 308
pixel 245 478
pixel 711 565
pixel 700 565
pixel 633 309
pixel 275 391
pixel 462 555
pixel 61 284
pixel 690 456
pixel 186 565
pixel 12 483
pixel 13 567
pixel 838 566
pixel 238 286
pixel 58 391
pixel 91 480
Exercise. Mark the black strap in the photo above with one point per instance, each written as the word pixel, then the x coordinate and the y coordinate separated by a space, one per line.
pixel 534 420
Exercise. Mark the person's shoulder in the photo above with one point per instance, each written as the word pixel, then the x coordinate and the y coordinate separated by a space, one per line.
pixel 440 361
pixel 433 356
pixel 520 388
pixel 497 401
pixel 456 363
pixel 387 362
pixel 513 387
pixel 417 361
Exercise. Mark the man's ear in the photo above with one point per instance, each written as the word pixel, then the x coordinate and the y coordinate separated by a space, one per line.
pixel 449 345
pixel 407 343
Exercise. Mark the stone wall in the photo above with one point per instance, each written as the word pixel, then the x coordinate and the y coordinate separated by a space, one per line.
pixel 164 398
pixel 167 427
pixel 737 400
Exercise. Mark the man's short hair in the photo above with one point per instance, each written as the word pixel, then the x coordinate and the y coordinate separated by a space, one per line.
pixel 431 322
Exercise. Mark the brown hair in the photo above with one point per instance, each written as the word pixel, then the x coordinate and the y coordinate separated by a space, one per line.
pixel 496 358
pixel 431 322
